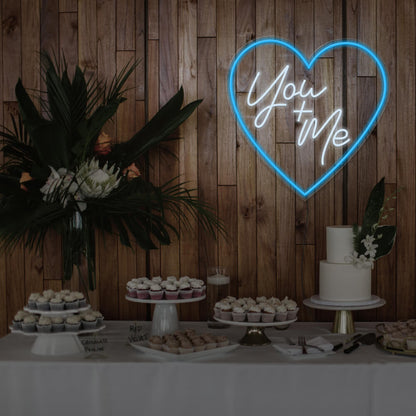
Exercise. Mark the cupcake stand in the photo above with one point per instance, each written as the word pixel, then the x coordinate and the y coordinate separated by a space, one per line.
pixel 255 335
pixel 57 343
pixel 343 322
pixel 165 317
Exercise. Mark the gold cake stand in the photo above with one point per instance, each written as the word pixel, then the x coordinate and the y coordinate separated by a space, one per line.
pixel 255 335
pixel 343 321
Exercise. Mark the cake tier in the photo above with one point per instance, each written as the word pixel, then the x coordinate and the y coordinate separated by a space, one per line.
pixel 339 243
pixel 344 282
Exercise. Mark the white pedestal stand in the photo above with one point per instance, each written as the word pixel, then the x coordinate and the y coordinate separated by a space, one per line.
pixel 165 317
pixel 343 322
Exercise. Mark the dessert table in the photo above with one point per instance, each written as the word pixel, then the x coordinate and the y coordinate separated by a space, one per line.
pixel 119 380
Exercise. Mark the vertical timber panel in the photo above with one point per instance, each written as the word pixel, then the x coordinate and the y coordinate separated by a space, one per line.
pixel 126 34
pixel 207 19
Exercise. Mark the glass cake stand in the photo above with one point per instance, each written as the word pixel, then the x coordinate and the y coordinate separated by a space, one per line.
pixel 255 335
pixel 165 317
pixel 343 322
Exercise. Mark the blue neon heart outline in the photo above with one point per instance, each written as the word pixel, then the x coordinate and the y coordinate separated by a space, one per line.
pixel 308 64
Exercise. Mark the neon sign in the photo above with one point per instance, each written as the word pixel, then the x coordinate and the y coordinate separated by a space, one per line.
pixel 280 92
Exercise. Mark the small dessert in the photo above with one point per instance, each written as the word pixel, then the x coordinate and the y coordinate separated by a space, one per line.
pixel 222 341
pixel 291 306
pixel 261 299
pixel 184 279
pixel 254 314
pixel 57 324
pixel 99 316
pixel 185 290
pixel 42 304
pixel 210 341
pixel 217 310
pixel 238 314
pixel 29 323
pixel 82 302
pixel 156 292
pixel 157 279
pixel 65 292
pixel 185 347
pixel 171 279
pixel 171 292
pixel 197 288
pixel 226 311
pixel 198 343
pixel 281 313
pixel 71 302
pixel 18 320
pixel 57 304
pixel 32 300
pixel 73 323
pixel 44 325
pixel 156 342
pixel 268 314
pixel 89 321
pixel 171 345
pixel 142 291
pixel 48 294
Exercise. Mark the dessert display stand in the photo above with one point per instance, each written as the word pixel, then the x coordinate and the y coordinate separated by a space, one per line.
pixel 57 343
pixel 165 317
pixel 255 335
pixel 343 322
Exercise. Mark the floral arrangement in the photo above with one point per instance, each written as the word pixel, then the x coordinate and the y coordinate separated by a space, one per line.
pixel 372 240
pixel 62 171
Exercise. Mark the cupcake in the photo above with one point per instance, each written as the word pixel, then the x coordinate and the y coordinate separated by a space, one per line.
pixel 292 309
pixel 222 341
pixel 185 347
pixel 143 291
pixel 82 302
pixel 268 314
pixel 210 341
pixel 156 292
pixel 57 324
pixel 217 310
pixel 89 321
pixel 197 288
pixel 99 316
pixel 261 299
pixel 65 292
pixel 156 342
pixel 73 323
pixel 171 292
pixel 171 279
pixel 42 304
pixel 131 289
pixel 44 325
pixel 172 346
pixel 29 323
pixel 226 311
pixel 281 313
pixel 198 343
pixel 185 291
pixel 184 279
pixel 238 314
pixel 157 279
pixel 18 320
pixel 57 304
pixel 254 314
pixel 48 294
pixel 32 300
pixel 71 302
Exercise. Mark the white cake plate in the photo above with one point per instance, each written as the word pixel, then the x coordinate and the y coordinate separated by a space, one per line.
pixel 57 343
pixel 255 335
pixel 64 312
pixel 343 322
pixel 165 317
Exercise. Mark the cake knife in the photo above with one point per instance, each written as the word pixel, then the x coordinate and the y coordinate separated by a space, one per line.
pixel 343 344
pixel 367 339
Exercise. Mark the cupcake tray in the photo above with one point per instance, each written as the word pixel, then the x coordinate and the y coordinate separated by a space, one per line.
pixel 57 343
pixel 255 335
pixel 394 351
pixel 64 312
pixel 165 316
pixel 143 346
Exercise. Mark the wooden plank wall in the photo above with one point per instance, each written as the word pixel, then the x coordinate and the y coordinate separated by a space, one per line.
pixel 275 239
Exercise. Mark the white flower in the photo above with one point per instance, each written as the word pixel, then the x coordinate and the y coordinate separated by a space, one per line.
pixel 96 182
pixel 360 261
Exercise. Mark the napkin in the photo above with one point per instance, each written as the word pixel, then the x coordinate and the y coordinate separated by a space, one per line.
pixel 295 351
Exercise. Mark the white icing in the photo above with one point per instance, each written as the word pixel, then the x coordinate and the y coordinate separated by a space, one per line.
pixel 339 243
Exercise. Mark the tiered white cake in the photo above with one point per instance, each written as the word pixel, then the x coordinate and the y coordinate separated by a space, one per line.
pixel 339 280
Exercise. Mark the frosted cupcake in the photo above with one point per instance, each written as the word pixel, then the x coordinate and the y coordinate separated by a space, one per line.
pixel 156 342
pixel 73 323
pixel 79 296
pixel 239 314
pixel 99 316
pixel 281 313
pixel 57 304
pixel 131 289
pixel 171 292
pixel 210 341
pixel 18 320
pixel 198 343
pixel 32 300
pixel 171 279
pixel 156 292
pixel 222 341
pixel 57 324
pixel 268 314
pixel 44 325
pixel 292 309
pixel 42 304
pixel 254 314
pixel 185 291
pixel 48 294
pixel 29 323
pixel 89 321
pixel 197 288
pixel 71 302
pixel 226 311
pixel 143 291
pixel 217 310
pixel 184 279
pixel 157 279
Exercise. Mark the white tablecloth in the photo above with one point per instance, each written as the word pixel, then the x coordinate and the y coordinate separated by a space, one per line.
pixel 247 381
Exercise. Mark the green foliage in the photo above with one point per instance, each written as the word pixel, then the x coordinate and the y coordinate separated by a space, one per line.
pixel 63 135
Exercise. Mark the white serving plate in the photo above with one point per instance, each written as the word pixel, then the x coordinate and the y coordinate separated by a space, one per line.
pixel 143 347
pixel 56 313
pixel 316 299
pixel 165 301
pixel 257 324
pixel 53 334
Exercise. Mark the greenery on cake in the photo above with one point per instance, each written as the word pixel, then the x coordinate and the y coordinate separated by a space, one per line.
pixel 61 171
pixel 373 240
